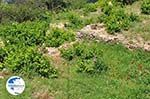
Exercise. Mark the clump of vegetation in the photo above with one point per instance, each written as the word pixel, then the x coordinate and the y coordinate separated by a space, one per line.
pixel 115 18
pixel 57 37
pixel 22 12
pixel 89 57
pixel 20 54
pixel 27 33
pixel 90 8
pixel 75 20
pixel 29 61
pixel 94 65
pixel 145 7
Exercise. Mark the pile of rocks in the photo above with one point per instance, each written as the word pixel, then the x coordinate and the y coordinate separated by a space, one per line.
pixel 98 32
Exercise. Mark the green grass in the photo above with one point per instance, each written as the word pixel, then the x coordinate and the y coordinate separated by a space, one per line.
pixel 123 80
pixel 140 28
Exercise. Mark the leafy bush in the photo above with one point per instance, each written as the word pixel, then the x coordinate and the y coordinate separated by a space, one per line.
pixel 22 12
pixel 68 54
pixel 82 50
pixel 57 37
pixel 20 54
pixel 90 8
pixel 27 33
pixel 145 7
pixel 92 66
pixel 89 57
pixel 29 61
pixel 73 51
pixel 115 18
pixel 133 17
pixel 75 20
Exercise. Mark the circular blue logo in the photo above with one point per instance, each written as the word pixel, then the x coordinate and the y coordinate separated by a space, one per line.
pixel 15 85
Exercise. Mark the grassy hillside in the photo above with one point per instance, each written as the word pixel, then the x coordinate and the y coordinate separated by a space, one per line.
pixel 38 42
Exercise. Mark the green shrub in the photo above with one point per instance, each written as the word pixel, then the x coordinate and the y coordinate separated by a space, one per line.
pixel 90 8
pixel 82 50
pixel 22 12
pixel 92 66
pixel 75 21
pixel 19 53
pixel 145 7
pixel 68 54
pixel 115 18
pixel 133 17
pixel 85 66
pixel 57 37
pixel 90 60
pixel 27 33
pixel 88 57
pixel 29 61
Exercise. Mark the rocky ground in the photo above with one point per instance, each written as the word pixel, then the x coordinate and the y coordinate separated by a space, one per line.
pixel 99 33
